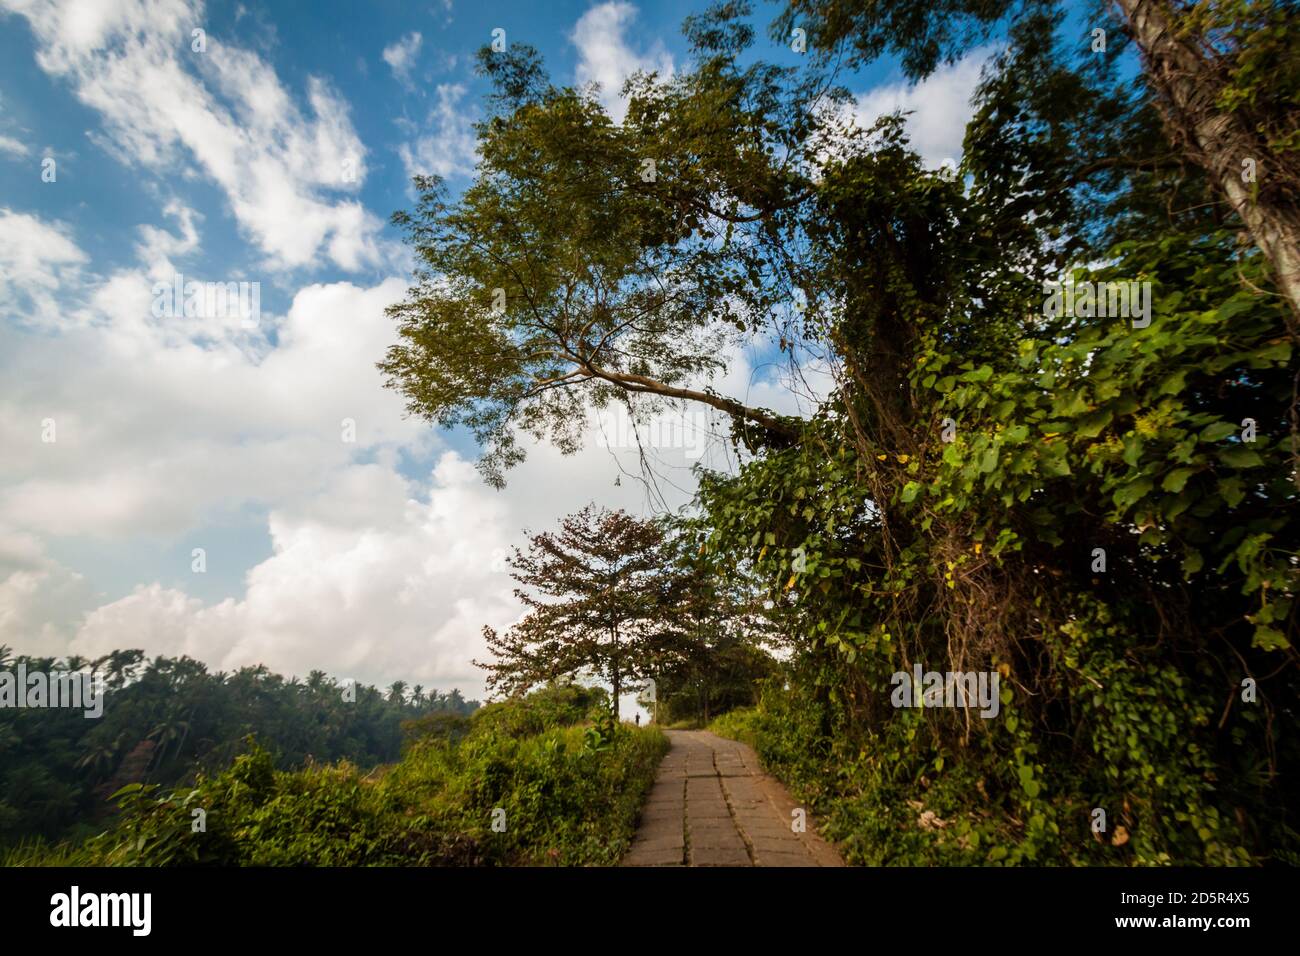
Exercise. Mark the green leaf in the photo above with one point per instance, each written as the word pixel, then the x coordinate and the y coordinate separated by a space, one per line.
pixel 1240 457
pixel 1091 425
pixel 1132 492
pixel 1218 431
pixel 1270 639
pixel 1232 491
pixel 1176 479
pixel 1175 506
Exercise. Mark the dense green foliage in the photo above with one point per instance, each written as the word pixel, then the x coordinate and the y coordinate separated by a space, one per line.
pixel 1098 509
pixel 546 779
pixel 166 718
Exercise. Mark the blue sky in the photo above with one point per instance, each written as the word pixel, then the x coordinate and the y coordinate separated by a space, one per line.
pixel 275 155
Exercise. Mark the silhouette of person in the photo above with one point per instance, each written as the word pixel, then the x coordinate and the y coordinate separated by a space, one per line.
pixel 638 720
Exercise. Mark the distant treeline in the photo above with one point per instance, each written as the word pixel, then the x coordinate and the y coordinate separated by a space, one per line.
pixel 166 718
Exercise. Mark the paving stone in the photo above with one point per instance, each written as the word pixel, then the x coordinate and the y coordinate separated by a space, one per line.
pixel 725 836
pixel 655 856
pixel 715 790
pixel 719 856
pixel 708 814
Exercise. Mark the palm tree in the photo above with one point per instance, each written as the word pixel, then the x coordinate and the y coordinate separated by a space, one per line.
pixel 101 758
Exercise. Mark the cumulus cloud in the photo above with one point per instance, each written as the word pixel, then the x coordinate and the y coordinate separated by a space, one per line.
pixel 37 259
pixel 401 56
pixel 450 149
pixel 157 246
pixel 192 427
pixel 606 58
pixel 371 578
pixel 372 575
pixel 41 601
pixel 940 105
pixel 225 110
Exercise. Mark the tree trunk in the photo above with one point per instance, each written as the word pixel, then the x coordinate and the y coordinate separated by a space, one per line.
pixel 614 672
pixel 1188 86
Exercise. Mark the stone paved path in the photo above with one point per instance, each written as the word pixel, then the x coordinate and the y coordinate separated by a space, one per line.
pixel 711 805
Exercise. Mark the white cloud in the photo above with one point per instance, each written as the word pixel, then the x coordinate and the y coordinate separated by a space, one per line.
pixel 156 433
pixel 9 144
pixel 401 56
pixel 226 110
pixel 941 106
pixel 40 600
pixel 370 578
pixel 36 259
pixel 157 246
pixel 451 149
pixel 606 58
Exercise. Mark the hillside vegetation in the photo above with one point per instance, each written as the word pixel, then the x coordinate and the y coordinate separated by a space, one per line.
pixel 547 779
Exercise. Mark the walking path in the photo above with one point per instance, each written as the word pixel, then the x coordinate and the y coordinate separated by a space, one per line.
pixel 711 805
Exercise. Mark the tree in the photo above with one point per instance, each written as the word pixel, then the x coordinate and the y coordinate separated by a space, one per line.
pixel 1069 501
pixel 591 262
pixel 166 719
pixel 712 656
pixel 1228 74
pixel 596 592
pixel 1225 74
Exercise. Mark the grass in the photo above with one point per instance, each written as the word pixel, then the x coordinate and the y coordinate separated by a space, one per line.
pixel 739 724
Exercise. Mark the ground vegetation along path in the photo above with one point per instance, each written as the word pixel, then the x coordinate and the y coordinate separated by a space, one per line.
pixel 711 805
